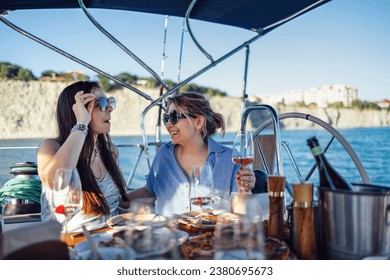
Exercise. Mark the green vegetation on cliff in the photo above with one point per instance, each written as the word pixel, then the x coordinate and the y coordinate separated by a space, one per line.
pixel 14 72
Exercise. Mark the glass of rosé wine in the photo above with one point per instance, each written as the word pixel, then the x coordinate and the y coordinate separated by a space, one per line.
pixel 243 148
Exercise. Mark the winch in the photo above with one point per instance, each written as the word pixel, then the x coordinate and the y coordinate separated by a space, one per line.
pixel 21 194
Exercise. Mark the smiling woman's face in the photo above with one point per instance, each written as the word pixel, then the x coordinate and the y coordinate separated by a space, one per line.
pixel 184 130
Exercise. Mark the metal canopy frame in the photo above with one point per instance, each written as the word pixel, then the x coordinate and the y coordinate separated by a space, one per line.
pixel 260 17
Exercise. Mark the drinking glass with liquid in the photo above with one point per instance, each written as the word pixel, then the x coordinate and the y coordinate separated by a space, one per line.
pixel 239 234
pixel 201 190
pixel 243 148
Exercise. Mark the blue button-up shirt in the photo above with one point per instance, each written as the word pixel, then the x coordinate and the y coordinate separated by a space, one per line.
pixel 170 185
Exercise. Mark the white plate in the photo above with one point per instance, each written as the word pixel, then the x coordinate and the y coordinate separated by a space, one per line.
pixel 181 236
pixel 145 219
pixel 82 250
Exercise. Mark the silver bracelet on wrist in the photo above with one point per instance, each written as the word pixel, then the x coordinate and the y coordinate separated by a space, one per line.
pixel 82 127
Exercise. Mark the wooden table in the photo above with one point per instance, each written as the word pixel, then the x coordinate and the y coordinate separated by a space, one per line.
pixel 72 238
pixel 276 249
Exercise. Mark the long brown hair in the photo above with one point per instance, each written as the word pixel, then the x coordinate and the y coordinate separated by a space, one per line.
pixel 196 104
pixel 93 198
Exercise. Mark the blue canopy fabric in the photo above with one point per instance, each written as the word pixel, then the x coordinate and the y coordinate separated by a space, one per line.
pixel 256 15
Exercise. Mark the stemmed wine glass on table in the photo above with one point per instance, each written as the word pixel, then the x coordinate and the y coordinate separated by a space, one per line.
pixel 201 189
pixel 243 148
pixel 67 194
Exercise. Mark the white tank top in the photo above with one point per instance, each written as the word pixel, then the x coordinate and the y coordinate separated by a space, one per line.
pixel 110 192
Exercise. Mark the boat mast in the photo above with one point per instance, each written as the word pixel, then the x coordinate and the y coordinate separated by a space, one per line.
pixel 244 94
pixel 160 104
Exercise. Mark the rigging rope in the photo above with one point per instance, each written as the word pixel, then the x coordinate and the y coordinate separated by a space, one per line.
pixel 160 104
pixel 23 187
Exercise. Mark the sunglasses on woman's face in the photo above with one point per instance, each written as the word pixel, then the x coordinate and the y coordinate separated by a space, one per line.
pixel 104 102
pixel 174 117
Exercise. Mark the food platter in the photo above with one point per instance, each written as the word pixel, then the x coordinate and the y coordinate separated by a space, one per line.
pixel 130 218
pixel 129 243
pixel 202 247
pixel 82 251
pixel 209 218
pixel 192 218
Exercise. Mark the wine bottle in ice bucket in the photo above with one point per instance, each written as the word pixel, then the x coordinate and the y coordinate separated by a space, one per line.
pixel 329 177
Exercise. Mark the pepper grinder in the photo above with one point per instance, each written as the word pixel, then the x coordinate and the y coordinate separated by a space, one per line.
pixel 276 186
pixel 303 222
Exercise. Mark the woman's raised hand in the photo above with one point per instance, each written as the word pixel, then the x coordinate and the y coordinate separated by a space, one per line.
pixel 82 113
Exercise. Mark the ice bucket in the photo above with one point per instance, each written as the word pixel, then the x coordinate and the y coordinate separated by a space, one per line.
pixel 354 225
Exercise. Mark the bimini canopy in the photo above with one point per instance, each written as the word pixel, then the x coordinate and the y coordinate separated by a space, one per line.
pixel 257 15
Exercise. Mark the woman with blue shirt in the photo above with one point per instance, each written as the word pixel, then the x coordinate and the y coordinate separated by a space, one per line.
pixel 191 122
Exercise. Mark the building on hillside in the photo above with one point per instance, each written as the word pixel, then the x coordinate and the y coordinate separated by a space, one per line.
pixel 142 82
pixel 384 104
pixel 322 96
pixel 76 74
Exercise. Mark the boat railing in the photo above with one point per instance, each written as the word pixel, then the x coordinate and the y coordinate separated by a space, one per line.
pixel 18 147
pixel 276 128
pixel 125 169
pixel 141 151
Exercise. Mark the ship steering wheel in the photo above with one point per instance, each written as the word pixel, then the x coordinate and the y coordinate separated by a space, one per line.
pixel 335 135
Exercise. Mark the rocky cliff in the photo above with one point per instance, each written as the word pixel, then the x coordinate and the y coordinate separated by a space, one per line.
pixel 27 110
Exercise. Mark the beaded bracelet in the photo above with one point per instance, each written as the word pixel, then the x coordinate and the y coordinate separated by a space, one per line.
pixel 82 127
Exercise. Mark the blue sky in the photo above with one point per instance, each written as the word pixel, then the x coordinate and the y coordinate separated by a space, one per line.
pixel 342 42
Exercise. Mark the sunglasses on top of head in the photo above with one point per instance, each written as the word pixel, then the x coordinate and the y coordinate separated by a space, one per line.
pixel 174 117
pixel 104 102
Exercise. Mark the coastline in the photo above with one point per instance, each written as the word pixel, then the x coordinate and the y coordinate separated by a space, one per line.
pixel 28 112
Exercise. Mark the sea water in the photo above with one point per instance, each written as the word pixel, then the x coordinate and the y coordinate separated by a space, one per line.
pixel 370 144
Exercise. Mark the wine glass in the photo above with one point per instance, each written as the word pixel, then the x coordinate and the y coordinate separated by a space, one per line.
pixel 243 148
pixel 201 189
pixel 67 194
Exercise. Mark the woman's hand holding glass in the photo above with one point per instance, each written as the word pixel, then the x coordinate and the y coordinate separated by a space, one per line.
pixel 245 178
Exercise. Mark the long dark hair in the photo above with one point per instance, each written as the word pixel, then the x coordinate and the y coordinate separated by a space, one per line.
pixel 197 105
pixel 93 198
